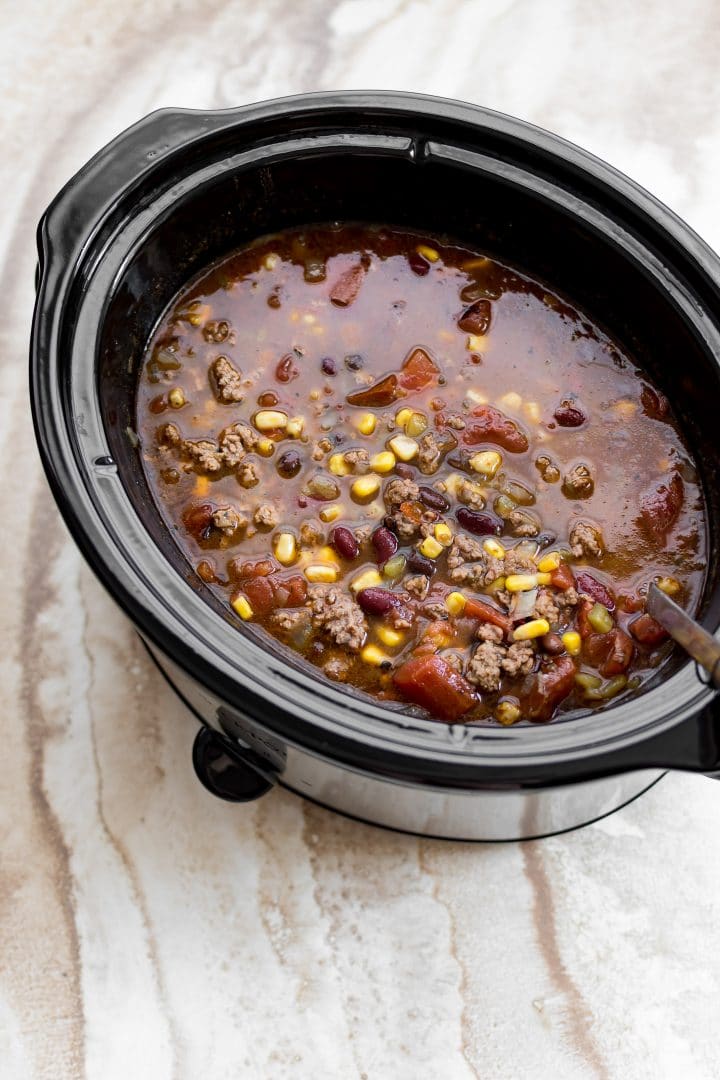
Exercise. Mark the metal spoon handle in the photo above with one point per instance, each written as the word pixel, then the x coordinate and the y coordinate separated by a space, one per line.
pixel 696 641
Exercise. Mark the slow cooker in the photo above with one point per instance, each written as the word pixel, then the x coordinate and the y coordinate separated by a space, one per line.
pixel 182 188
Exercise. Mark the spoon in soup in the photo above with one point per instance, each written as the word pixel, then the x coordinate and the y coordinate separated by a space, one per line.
pixel 696 641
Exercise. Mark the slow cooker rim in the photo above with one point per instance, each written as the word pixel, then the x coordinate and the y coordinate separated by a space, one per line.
pixel 455 751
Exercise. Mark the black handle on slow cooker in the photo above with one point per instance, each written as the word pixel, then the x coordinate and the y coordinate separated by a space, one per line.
pixel 229 771
pixel 117 169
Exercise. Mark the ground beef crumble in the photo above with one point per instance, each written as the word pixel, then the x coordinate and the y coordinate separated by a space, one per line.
pixel 235 442
pixel 228 520
pixel 586 540
pixel 484 669
pixel 266 516
pixel 337 615
pixel 227 381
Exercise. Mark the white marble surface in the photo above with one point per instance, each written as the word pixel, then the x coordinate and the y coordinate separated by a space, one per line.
pixel 148 931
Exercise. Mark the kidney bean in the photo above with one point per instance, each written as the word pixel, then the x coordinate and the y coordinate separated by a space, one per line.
pixel 417 264
pixel 347 286
pixel 569 414
pixel 434 499
pixel 420 564
pixel 476 318
pixel 328 366
pixel 289 464
pixel 491 425
pixel 286 369
pixel 659 509
pixel 385 544
pixel 478 522
pixel 344 542
pixel 404 470
pixel 376 601
pixel 586 583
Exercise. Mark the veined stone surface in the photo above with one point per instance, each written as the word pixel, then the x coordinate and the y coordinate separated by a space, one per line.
pixel 150 931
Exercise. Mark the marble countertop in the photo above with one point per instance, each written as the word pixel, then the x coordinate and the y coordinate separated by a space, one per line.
pixel 150 931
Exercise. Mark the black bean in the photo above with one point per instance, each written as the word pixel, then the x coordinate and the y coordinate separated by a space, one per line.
pixel 354 362
pixel 289 464
pixel 420 564
pixel 434 499
pixel 328 365
pixel 404 471
pixel 479 523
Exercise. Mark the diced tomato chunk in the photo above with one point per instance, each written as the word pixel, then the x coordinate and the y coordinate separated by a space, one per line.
pixel 562 577
pixel 418 371
pixel 381 393
pixel 620 654
pixel 261 595
pixel 610 653
pixel 430 682
pixel 647 631
pixel 491 425
pixel 553 683
pixel 583 623
pixel 485 612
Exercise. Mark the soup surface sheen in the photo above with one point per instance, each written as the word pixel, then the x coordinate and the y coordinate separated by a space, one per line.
pixel 422 471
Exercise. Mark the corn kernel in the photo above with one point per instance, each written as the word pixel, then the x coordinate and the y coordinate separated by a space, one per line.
pixel 270 261
pixel 270 420
pixel 549 562
pixel 455 603
pixel 402 416
pixel 416 425
pixel 330 513
pixel 474 342
pixel 544 578
pixel 338 466
pixel 177 398
pixel 474 396
pixel 532 411
pixel 241 604
pixel 443 534
pixel 285 548
pixel 308 318
pixel 365 487
pixel 495 586
pixel 202 486
pixel 428 253
pixel 384 462
pixel 511 400
pixel 534 628
pixel 403 447
pixel 388 636
pixel 367 580
pixel 371 654
pixel 295 427
pixel 669 585
pixel 367 423
pixel 430 547
pixel 266 447
pixel 328 554
pixel 507 713
pixel 325 574
pixel 572 642
pixel 486 462
pixel 494 548
pixel 520 582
